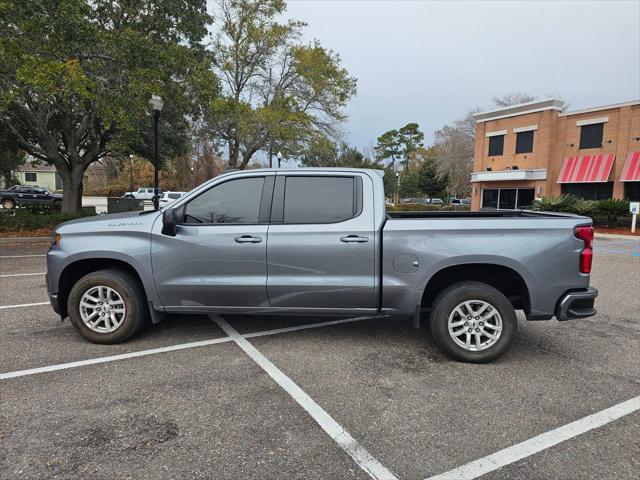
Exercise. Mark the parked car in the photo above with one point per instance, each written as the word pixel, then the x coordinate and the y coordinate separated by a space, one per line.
pixel 168 197
pixel 436 201
pixel 460 201
pixel 319 241
pixel 417 201
pixel 144 193
pixel 22 195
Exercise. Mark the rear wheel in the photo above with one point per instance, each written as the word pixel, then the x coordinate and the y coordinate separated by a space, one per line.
pixel 473 322
pixel 107 306
pixel 8 203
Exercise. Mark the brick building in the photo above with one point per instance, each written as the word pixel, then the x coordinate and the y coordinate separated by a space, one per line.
pixel 536 148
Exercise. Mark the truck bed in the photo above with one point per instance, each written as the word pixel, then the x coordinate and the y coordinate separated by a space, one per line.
pixel 421 214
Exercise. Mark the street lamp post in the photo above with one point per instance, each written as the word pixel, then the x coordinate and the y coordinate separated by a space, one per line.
pixel 397 187
pixel 279 159
pixel 156 104
pixel 131 172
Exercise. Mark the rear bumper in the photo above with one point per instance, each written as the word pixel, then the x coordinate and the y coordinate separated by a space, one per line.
pixel 577 304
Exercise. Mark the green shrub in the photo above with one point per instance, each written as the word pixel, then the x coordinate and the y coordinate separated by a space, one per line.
pixel 612 210
pixel 586 208
pixel 22 219
pixel 563 203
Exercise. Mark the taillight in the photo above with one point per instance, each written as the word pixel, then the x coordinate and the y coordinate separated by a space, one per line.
pixel 586 255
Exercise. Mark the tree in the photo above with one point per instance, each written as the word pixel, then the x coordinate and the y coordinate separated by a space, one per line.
pixel 389 146
pixel 11 157
pixel 400 143
pixel 453 151
pixel 410 185
pixel 429 181
pixel 513 98
pixel 278 93
pixel 76 77
pixel 323 152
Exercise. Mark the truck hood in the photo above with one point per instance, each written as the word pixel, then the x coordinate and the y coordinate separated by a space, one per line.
pixel 112 223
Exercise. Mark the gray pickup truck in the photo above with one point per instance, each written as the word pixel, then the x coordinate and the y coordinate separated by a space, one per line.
pixel 320 241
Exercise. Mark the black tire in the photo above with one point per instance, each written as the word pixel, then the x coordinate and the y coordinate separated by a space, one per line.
pixel 8 203
pixel 129 196
pixel 453 296
pixel 128 287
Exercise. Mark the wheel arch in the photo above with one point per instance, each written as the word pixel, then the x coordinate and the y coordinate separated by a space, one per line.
pixel 503 278
pixel 79 268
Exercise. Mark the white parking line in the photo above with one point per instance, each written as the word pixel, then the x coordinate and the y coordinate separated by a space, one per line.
pixel 181 346
pixel 305 327
pixel 21 274
pixel 541 442
pixel 111 358
pixel 20 256
pixel 3 307
pixel 363 458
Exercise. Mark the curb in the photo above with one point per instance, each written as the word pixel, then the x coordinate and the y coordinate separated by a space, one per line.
pixel 616 236
pixel 19 240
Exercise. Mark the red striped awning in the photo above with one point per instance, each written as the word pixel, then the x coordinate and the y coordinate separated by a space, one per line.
pixel 631 170
pixel 586 168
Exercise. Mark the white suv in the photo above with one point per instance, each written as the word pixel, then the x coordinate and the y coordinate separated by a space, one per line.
pixel 168 197
pixel 141 194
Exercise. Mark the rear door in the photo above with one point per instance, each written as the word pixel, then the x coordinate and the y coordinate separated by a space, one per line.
pixel 218 256
pixel 24 195
pixel 321 249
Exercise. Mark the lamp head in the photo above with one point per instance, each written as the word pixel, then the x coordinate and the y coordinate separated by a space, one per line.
pixel 156 103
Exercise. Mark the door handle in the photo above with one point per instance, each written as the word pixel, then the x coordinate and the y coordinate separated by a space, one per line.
pixel 248 239
pixel 354 239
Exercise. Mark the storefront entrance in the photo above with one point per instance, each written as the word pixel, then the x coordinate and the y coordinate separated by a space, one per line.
pixel 507 198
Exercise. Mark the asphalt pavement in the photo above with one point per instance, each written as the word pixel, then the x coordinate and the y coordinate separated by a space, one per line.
pixel 183 399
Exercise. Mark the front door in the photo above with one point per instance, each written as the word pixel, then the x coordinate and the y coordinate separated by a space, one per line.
pixel 218 255
pixel 321 250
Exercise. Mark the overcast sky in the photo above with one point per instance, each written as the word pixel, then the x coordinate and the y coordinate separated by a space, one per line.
pixel 429 62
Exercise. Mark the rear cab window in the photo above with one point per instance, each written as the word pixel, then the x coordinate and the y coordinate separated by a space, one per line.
pixel 316 199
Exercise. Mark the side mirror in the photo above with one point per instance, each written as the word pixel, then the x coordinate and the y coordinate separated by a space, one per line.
pixel 169 222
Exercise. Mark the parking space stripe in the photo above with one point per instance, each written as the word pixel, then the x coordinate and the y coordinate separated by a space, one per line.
pixel 306 326
pixel 3 307
pixel 541 442
pixel 112 358
pixel 363 458
pixel 21 256
pixel 181 346
pixel 21 274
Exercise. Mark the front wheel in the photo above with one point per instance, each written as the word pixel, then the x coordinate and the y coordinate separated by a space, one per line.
pixel 473 322
pixel 107 306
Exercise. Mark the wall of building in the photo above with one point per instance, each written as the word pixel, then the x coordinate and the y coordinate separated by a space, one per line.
pixel 557 136
pixel 43 179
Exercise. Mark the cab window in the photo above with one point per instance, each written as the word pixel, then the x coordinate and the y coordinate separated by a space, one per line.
pixel 233 202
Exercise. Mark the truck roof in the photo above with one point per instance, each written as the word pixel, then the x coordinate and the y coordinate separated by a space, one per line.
pixel 309 169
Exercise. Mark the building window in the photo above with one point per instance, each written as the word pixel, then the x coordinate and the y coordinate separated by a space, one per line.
pixel 496 145
pixel 507 198
pixel 591 135
pixel 589 191
pixel 30 177
pixel 524 142
pixel 632 191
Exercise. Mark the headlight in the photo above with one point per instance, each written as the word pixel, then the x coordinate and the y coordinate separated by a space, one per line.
pixel 55 239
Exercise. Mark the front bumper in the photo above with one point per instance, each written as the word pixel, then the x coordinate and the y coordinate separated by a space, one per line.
pixel 577 304
pixel 53 298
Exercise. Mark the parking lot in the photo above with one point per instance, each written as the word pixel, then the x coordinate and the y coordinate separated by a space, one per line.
pixel 318 398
